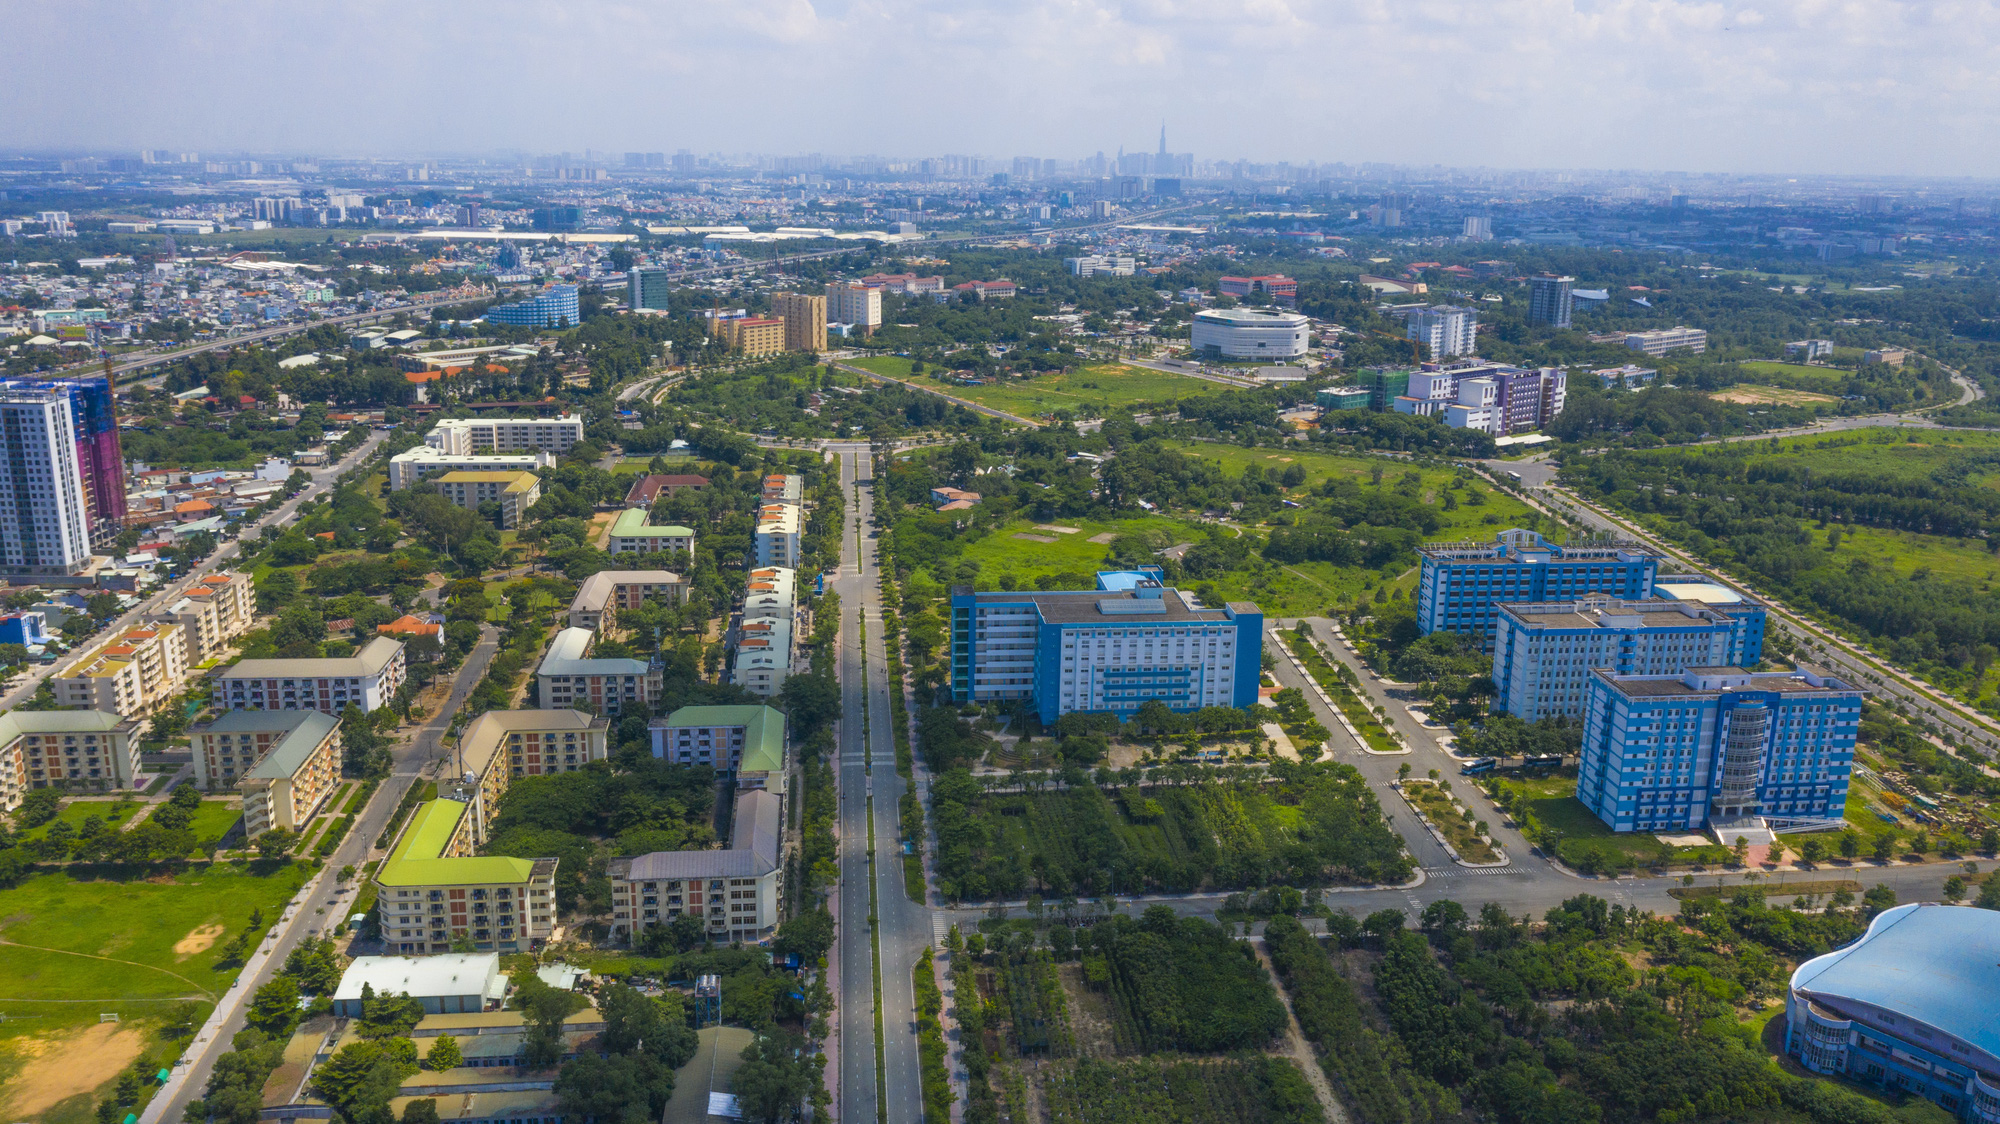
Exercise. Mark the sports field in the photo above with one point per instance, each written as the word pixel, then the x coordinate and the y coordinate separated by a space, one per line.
pixel 77 950
pixel 1752 395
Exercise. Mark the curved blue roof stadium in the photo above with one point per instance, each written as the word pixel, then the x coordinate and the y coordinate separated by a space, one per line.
pixel 1936 965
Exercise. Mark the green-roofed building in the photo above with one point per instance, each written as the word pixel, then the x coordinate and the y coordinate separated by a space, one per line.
pixel 748 741
pixel 632 534
pixel 433 889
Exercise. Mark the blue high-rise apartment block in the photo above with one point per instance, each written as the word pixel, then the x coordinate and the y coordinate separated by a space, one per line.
pixel 1907 1008
pixel 1543 651
pixel 1130 641
pixel 1462 583
pixel 553 307
pixel 1717 746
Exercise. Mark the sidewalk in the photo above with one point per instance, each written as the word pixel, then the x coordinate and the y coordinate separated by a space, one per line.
pixel 234 999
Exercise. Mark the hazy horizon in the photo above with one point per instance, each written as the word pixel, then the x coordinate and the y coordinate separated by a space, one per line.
pixel 1875 88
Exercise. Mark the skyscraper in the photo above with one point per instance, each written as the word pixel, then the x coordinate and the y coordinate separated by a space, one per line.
pixel 44 527
pixel 100 462
pixel 1549 300
pixel 646 288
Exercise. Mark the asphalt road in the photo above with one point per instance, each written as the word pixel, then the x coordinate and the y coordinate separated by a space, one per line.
pixel 24 687
pixel 868 764
pixel 329 901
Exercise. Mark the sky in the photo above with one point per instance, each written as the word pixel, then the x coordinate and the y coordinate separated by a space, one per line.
pixel 1871 87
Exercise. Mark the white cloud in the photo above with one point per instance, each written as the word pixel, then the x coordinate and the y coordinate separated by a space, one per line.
pixel 1810 85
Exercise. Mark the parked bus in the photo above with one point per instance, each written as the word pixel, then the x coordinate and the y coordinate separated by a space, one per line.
pixel 1475 768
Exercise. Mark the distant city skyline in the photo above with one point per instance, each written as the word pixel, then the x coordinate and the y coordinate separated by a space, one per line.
pixel 1700 87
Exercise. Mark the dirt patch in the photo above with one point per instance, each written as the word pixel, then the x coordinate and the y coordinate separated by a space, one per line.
pixel 1103 538
pixel 1036 538
pixel 1055 530
pixel 198 940
pixel 1769 396
pixel 1090 1015
pixel 600 528
pixel 87 1056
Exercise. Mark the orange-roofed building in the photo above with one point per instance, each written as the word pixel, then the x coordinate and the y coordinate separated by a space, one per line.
pixel 133 674
pixel 410 626
pixel 194 507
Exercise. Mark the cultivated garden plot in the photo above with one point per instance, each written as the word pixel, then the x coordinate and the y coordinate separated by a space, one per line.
pixel 1162 1018
pixel 1302 824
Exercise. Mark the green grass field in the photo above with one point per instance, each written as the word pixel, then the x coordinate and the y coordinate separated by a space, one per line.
pixel 75 948
pixel 1005 553
pixel 1467 523
pixel 1305 588
pixel 213 820
pixel 115 938
pixel 1092 390
pixel 112 812
pixel 1832 378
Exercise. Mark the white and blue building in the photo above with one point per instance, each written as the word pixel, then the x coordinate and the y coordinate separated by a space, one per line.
pixel 1544 651
pixel 1130 641
pixel 1908 1008
pixel 1462 584
pixel 1714 746
pixel 553 307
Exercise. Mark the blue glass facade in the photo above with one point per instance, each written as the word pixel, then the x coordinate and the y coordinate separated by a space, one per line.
pixel 1128 642
pixel 1461 583
pixel 1716 745
pixel 553 307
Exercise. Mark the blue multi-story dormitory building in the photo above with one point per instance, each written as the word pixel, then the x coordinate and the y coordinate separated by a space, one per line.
pixel 1717 745
pixel 1463 583
pixel 1678 731
pixel 1543 651
pixel 1130 641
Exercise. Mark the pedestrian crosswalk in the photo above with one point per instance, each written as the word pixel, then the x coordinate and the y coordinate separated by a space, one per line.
pixel 939 927
pixel 1457 871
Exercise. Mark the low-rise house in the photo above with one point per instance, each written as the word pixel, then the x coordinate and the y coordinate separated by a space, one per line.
pixel 368 679
pixel 74 749
pixel 570 677
pixel 631 533
pixel 433 889
pixel 407 626
pixel 651 487
pixel 734 891
pixel 953 499
pixel 452 983
pixel 135 673
pixel 603 594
